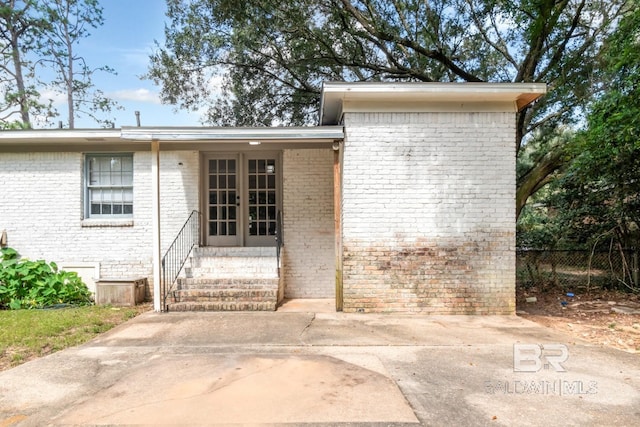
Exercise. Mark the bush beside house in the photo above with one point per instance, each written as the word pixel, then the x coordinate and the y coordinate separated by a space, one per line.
pixel 37 284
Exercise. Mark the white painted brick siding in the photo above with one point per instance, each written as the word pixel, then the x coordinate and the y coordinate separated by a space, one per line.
pixel 42 210
pixel 308 254
pixel 428 212
pixel 179 191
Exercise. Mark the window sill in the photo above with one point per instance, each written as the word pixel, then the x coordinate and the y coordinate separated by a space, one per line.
pixel 103 222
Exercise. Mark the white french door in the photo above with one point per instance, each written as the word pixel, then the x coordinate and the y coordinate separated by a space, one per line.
pixel 242 198
pixel 223 201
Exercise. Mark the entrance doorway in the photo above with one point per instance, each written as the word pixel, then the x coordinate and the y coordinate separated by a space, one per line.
pixel 242 198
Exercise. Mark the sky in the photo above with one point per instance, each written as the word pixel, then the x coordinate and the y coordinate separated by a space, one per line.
pixel 124 43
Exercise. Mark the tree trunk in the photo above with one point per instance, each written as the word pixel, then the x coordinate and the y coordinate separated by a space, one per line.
pixel 23 98
pixel 537 177
pixel 69 82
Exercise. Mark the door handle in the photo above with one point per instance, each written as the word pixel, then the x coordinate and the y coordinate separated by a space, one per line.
pixel 237 200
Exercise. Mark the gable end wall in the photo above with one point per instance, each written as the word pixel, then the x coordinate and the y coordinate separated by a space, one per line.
pixel 428 213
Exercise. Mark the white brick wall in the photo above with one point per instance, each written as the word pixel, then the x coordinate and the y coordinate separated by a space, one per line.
pixel 428 212
pixel 42 210
pixel 179 191
pixel 308 257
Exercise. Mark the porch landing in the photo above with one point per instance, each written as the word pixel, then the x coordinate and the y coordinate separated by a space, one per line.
pixel 228 279
pixel 308 305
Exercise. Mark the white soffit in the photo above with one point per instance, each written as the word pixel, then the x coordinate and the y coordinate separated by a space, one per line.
pixel 339 97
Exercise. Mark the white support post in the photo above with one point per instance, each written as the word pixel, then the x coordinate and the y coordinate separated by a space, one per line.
pixel 155 201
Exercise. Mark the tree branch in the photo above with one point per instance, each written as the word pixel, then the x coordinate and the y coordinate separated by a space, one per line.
pixel 542 27
pixel 500 46
pixel 436 55
pixel 538 176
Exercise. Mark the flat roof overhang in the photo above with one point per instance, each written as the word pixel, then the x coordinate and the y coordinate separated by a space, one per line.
pixel 231 134
pixel 340 97
pixel 57 136
pixel 232 137
pixel 170 138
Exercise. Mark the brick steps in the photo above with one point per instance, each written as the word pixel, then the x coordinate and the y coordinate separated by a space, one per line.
pixel 222 306
pixel 214 295
pixel 228 279
pixel 227 272
pixel 226 283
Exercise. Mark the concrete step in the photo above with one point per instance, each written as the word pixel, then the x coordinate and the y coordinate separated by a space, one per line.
pixel 223 306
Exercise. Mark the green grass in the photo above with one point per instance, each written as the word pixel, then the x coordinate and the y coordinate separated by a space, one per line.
pixel 27 334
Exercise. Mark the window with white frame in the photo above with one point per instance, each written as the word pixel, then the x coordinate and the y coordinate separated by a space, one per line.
pixel 109 185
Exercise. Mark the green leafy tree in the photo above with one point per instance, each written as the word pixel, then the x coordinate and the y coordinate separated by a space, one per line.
pixel 605 177
pixel 20 30
pixel 40 36
pixel 273 56
pixel 540 225
pixel 70 21
pixel 597 197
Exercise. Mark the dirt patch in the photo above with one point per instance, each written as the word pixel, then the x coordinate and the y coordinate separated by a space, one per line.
pixel 605 318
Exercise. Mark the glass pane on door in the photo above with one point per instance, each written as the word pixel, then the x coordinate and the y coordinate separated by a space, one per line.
pixel 223 198
pixel 262 203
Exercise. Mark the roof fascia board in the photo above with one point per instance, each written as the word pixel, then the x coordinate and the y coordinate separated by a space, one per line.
pixel 431 87
pixel 177 138
pixel 104 147
pixel 58 136
pixel 335 94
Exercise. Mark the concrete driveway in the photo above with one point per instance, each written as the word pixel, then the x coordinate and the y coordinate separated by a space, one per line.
pixel 306 365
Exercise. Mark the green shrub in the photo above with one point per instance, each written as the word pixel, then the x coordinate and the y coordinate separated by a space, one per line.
pixel 37 284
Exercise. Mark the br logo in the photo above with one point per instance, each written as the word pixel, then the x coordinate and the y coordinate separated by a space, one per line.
pixel 534 357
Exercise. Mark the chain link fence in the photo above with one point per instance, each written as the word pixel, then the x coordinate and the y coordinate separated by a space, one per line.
pixel 578 270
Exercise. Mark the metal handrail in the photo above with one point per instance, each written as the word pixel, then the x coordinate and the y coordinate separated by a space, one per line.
pixel 279 238
pixel 174 259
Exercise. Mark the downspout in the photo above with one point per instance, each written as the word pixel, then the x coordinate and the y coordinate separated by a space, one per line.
pixel 155 207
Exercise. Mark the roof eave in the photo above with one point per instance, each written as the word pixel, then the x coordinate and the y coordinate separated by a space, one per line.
pixel 58 136
pixel 334 94
pixel 136 137
pixel 221 134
